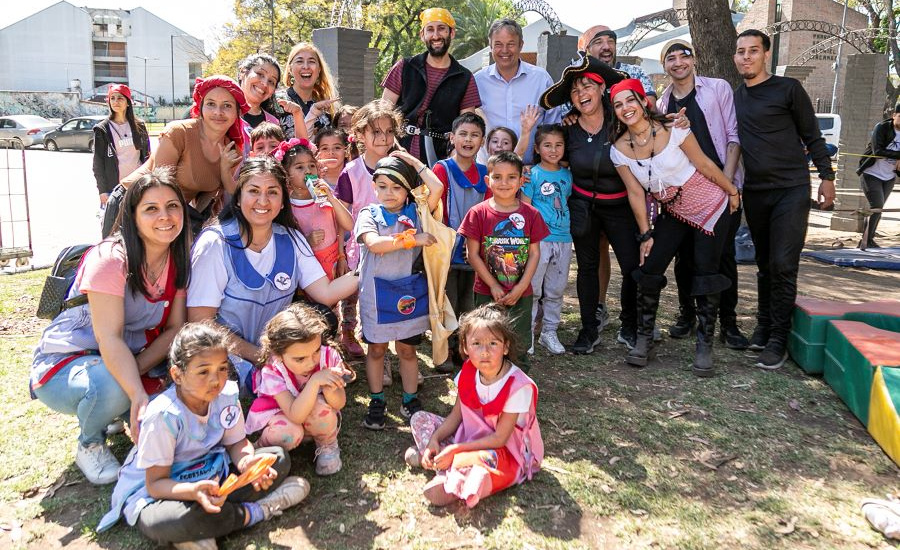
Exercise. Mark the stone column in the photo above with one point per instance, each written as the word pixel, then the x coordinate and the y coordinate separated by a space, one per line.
pixel 862 108
pixel 556 52
pixel 351 61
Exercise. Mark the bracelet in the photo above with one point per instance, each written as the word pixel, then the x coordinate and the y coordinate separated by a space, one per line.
pixel 644 237
pixel 422 169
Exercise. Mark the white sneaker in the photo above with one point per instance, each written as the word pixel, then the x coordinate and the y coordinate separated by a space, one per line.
pixel 204 544
pixel 602 317
pixel 116 427
pixel 550 341
pixel 328 459
pixel 412 458
pixel 290 493
pixel 97 463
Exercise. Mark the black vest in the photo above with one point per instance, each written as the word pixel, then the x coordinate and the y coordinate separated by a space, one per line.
pixel 444 105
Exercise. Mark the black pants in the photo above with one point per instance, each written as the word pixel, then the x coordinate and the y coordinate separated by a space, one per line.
pixel 670 233
pixel 778 219
pixel 684 272
pixel 877 192
pixel 591 219
pixel 165 521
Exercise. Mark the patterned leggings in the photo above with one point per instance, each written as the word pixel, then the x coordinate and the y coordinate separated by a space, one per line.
pixel 322 425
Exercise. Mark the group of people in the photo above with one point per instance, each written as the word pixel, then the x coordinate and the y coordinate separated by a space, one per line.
pixel 241 253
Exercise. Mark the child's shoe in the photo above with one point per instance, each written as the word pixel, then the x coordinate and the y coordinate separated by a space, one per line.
pixel 328 459
pixel 290 493
pixel 410 408
pixel 386 379
pixel 97 463
pixel 204 544
pixel 550 341
pixel 349 342
pixel 374 419
pixel 413 457
pixel 115 427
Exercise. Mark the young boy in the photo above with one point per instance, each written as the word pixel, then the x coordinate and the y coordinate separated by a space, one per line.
pixel 265 138
pixel 503 236
pixel 464 187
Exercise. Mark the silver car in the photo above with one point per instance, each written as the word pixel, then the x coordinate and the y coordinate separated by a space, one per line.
pixel 77 133
pixel 26 130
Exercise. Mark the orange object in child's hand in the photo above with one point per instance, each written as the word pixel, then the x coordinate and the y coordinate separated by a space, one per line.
pixel 232 483
pixel 406 239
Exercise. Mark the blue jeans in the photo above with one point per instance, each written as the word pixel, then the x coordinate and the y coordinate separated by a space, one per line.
pixel 86 389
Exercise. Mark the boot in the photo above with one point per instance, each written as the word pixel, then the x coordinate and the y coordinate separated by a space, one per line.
pixel 649 288
pixel 350 344
pixel 684 324
pixel 707 307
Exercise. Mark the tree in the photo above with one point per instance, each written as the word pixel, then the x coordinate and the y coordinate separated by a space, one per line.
pixel 885 15
pixel 713 34
pixel 474 22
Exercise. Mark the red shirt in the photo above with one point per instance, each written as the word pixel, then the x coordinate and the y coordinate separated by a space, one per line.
pixel 505 238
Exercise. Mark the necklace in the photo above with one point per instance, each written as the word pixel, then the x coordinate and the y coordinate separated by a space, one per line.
pixel 652 152
pixel 633 137
pixel 154 274
pixel 591 135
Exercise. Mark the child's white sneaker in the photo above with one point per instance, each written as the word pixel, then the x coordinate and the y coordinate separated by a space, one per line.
pixel 290 493
pixel 550 341
pixel 97 463
pixel 204 544
pixel 413 458
pixel 328 459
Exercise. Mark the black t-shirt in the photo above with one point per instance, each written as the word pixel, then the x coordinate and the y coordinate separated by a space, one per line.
pixel 254 120
pixel 698 123
pixel 775 120
pixel 581 155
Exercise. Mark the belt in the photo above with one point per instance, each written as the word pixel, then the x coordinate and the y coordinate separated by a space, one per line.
pixel 599 196
pixel 416 131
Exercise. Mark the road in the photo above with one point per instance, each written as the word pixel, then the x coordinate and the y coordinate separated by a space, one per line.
pixel 64 207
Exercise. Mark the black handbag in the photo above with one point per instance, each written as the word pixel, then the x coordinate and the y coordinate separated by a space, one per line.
pixel 56 287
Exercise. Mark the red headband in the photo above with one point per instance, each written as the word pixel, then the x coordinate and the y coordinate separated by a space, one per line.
pixel 120 88
pixel 594 76
pixel 202 86
pixel 632 84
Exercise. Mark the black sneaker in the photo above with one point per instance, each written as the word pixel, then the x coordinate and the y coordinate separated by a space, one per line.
pixel 759 339
pixel 731 336
pixel 374 419
pixel 683 326
pixel 587 340
pixel 410 408
pixel 627 336
pixel 773 357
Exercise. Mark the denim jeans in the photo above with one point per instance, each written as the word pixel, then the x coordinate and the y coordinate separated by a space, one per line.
pixel 778 219
pixel 86 389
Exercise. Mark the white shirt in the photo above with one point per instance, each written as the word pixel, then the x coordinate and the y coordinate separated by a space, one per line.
pixel 668 168
pixel 519 402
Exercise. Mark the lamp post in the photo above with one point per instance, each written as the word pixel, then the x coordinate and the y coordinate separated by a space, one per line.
pixel 172 51
pixel 146 59
pixel 837 61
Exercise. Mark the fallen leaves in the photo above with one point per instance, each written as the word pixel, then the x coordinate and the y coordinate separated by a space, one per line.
pixel 712 459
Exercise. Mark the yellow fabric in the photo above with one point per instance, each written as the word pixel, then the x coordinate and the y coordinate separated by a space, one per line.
pixel 434 15
pixel 884 424
pixel 437 266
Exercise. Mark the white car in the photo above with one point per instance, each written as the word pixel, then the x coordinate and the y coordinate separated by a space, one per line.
pixel 26 130
pixel 830 126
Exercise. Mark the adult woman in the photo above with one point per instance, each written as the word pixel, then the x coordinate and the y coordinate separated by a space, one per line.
pixel 599 202
pixel 694 194
pixel 121 145
pixel 310 90
pixel 258 76
pixel 877 171
pixel 248 267
pixel 135 287
pixel 205 149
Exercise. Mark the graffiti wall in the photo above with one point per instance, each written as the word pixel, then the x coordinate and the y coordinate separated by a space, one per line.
pixel 52 105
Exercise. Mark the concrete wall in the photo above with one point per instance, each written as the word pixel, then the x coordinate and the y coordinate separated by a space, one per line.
pixel 47 50
pixel 51 105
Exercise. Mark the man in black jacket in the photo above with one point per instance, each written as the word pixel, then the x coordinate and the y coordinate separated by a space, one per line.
pixel 877 175
pixel 431 89
pixel 776 122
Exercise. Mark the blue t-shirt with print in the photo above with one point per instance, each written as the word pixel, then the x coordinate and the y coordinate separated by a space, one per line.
pixel 549 192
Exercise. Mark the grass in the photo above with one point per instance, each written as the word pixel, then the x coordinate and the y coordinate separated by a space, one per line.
pixel 650 458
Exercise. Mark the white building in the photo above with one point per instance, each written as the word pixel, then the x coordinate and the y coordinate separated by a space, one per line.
pixel 64 47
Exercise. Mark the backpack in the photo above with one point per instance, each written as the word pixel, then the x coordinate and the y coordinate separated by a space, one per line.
pixel 53 296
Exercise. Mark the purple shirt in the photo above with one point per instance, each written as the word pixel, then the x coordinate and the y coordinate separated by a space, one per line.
pixel 716 99
pixel 344 188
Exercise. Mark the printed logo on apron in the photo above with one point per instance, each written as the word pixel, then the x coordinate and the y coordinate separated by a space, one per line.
pixel 406 304
pixel 229 416
pixel 282 281
pixel 404 219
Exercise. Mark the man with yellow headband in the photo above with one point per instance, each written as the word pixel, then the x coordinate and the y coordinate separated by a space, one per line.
pixel 431 89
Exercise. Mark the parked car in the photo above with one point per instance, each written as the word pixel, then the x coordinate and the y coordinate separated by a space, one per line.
pixel 830 126
pixel 76 133
pixel 25 129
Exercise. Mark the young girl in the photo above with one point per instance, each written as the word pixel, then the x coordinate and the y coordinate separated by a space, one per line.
pixel 320 222
pixel 393 294
pixel 548 190
pixel 491 439
pixel 375 127
pixel 191 436
pixel 500 138
pixel 300 389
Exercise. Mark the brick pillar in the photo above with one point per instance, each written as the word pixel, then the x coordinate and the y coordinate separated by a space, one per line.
pixel 862 108
pixel 556 52
pixel 351 61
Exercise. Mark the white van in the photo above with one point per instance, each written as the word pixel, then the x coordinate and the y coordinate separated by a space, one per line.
pixel 830 126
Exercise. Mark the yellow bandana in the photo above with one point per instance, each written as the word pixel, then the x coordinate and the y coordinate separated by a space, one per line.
pixel 432 15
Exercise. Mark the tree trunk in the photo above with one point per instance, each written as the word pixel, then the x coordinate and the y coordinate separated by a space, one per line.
pixel 713 35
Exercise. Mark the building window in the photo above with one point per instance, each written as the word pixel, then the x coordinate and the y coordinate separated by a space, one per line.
pixel 111 69
pixel 195 71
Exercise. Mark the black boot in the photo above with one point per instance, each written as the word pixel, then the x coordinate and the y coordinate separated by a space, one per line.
pixel 684 324
pixel 649 287
pixel 707 308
